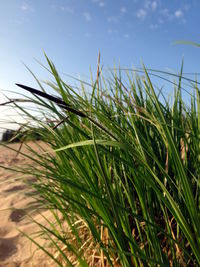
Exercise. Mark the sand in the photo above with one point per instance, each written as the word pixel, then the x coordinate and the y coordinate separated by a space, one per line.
pixel 16 250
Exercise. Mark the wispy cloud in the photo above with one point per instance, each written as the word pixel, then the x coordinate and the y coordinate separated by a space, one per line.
pixel 178 13
pixel 170 16
pixel 26 7
pixel 154 26
pixel 67 9
pixel 100 3
pixel 87 16
pixel 154 5
pixel 148 7
pixel 164 12
pixel 113 19
pixel 141 13
pixel 112 31
pixel 186 7
pixel 126 35
pixel 116 18
pixel 123 9
pixel 166 15
pixel 87 35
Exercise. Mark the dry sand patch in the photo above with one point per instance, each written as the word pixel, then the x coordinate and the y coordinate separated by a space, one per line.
pixel 15 249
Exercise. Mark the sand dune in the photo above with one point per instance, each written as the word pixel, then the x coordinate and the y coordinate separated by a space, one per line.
pixel 15 249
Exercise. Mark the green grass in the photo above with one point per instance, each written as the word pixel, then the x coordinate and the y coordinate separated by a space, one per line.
pixel 124 173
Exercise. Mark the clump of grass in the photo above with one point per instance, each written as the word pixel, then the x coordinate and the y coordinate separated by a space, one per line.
pixel 122 172
pixel 16 136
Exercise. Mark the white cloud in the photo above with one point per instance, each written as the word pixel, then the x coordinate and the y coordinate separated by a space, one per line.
pixel 112 31
pixel 67 9
pixel 87 16
pixel 160 21
pixel 154 26
pixel 126 35
pixel 178 13
pixel 166 15
pixel 147 4
pixel 123 9
pixel 101 4
pixel 170 16
pixel 183 21
pixel 113 19
pixel 186 7
pixel 141 13
pixel 87 34
pixel 164 12
pixel 26 7
pixel 154 5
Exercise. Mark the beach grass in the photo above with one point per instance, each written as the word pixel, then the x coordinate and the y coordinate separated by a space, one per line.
pixel 121 175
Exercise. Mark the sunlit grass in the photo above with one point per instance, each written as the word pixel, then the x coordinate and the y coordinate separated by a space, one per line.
pixel 122 180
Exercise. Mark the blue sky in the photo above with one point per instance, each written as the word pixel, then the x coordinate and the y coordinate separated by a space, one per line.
pixel 72 32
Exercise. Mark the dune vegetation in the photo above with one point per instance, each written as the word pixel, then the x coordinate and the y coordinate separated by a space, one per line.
pixel 121 176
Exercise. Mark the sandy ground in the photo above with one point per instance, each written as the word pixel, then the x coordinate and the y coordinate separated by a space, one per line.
pixel 15 249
